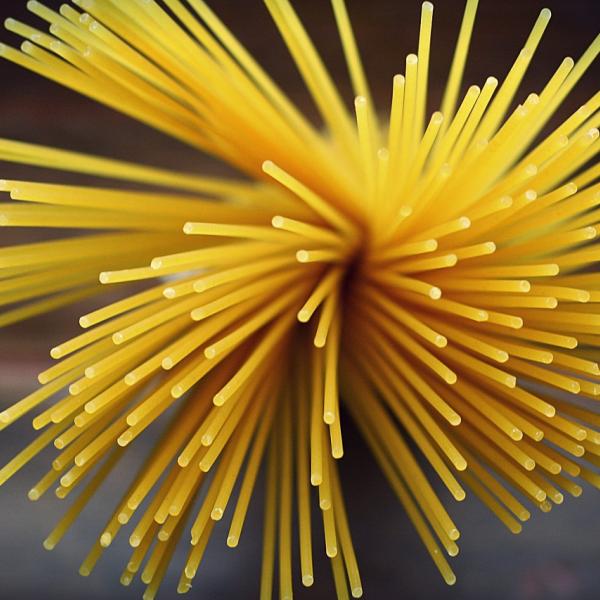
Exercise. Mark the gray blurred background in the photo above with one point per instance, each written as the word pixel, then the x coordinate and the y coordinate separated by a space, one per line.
pixel 556 557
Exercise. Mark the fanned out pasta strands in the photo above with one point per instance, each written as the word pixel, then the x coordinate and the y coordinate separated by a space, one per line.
pixel 430 275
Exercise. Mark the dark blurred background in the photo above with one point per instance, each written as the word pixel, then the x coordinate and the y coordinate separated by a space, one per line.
pixel 556 557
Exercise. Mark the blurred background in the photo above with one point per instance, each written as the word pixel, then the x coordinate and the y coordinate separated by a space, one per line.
pixel 556 557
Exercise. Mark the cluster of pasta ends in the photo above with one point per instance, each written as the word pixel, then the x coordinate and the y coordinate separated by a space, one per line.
pixel 432 278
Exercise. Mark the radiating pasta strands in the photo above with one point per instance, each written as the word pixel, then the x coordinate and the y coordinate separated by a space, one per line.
pixel 430 276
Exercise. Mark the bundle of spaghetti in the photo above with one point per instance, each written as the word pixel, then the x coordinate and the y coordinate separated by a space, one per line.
pixel 431 277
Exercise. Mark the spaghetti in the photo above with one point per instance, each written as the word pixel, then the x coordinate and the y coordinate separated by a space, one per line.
pixel 430 278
